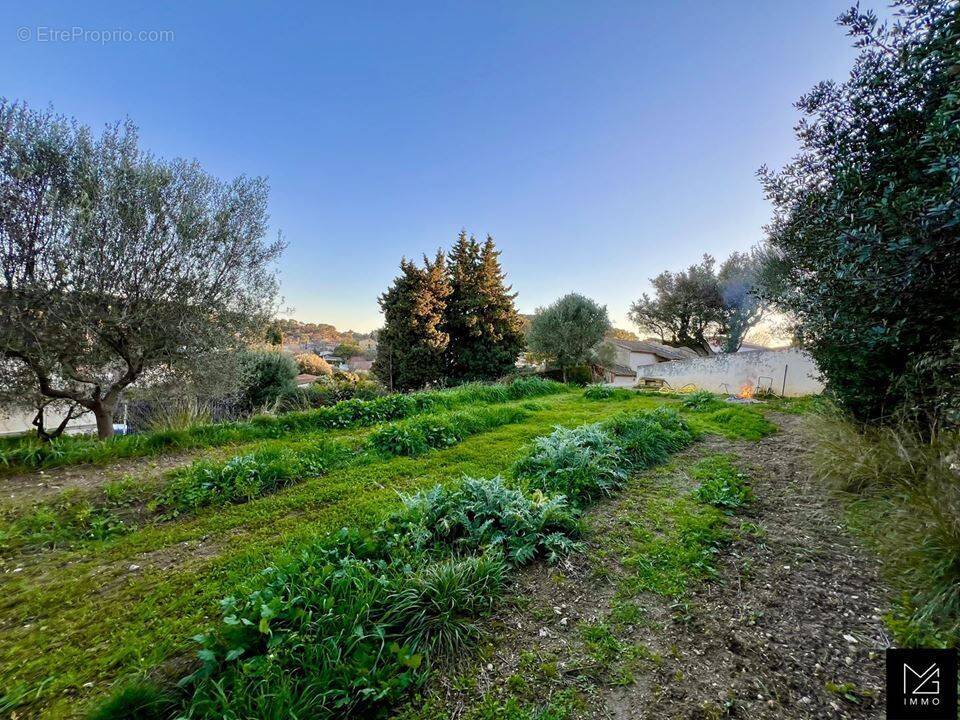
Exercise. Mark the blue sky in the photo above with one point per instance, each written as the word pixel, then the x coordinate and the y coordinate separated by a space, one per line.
pixel 598 142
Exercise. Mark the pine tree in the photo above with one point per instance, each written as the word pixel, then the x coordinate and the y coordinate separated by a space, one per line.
pixel 483 324
pixel 413 342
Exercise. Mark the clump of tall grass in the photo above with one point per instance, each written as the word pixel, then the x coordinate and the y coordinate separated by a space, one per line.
pixel 178 414
pixel 904 491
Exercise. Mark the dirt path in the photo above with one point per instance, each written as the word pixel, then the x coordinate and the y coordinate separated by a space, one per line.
pixel 789 627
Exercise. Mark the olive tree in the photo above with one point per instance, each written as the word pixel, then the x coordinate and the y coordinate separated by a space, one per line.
pixel 117 265
pixel 569 331
pixel 863 249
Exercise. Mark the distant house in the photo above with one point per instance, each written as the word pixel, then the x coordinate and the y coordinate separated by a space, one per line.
pixel 632 354
pixel 358 363
pixel 305 379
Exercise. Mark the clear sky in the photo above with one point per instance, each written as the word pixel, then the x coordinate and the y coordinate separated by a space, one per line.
pixel 598 142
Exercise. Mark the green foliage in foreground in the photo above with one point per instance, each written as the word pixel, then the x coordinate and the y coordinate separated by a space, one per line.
pixel 593 460
pixel 352 625
pixel 673 545
pixel 721 483
pixel 484 514
pixel 29 453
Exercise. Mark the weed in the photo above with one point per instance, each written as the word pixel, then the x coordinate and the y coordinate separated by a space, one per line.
pixel 701 401
pixel 721 483
pixel 605 392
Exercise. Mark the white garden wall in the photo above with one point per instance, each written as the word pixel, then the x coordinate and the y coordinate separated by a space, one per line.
pixel 727 373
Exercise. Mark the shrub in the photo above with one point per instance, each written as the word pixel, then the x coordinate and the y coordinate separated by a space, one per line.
pixel 313 364
pixel 605 392
pixel 264 378
pixel 581 463
pixel 580 375
pixel 721 483
pixel 482 514
pixel 701 401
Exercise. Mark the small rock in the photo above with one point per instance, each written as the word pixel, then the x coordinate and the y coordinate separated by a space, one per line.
pixel 134 568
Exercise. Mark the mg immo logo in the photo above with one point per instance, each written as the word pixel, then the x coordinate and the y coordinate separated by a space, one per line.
pixel 921 684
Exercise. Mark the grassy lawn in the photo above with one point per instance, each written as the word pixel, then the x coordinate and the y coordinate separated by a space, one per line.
pixel 104 609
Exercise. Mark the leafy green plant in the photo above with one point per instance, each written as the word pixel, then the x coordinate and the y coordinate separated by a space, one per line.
pixel 417 435
pixel 605 392
pixel 481 514
pixel 581 463
pixel 721 483
pixel 243 477
pixel 700 401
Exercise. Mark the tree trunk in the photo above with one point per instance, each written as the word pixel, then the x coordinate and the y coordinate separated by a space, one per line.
pixel 564 370
pixel 104 416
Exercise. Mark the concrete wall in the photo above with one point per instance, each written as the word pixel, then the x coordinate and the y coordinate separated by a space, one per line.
pixel 14 421
pixel 728 373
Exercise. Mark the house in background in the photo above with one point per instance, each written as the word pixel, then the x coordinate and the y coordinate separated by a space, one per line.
pixel 358 363
pixel 632 354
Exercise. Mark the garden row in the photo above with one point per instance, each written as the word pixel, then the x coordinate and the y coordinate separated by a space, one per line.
pixel 29 453
pixel 244 477
pixel 359 620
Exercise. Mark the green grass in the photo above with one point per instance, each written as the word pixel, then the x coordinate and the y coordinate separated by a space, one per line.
pixel 112 609
pixel 260 468
pixel 311 641
pixel 26 453
pixel 737 422
pixel 82 615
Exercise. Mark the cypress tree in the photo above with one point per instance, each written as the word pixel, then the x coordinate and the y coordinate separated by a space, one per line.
pixel 484 326
pixel 413 343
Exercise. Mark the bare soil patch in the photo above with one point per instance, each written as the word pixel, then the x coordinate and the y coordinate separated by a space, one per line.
pixel 790 627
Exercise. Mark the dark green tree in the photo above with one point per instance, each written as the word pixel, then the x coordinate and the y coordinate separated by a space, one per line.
pixel 864 245
pixel 413 342
pixel 485 329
